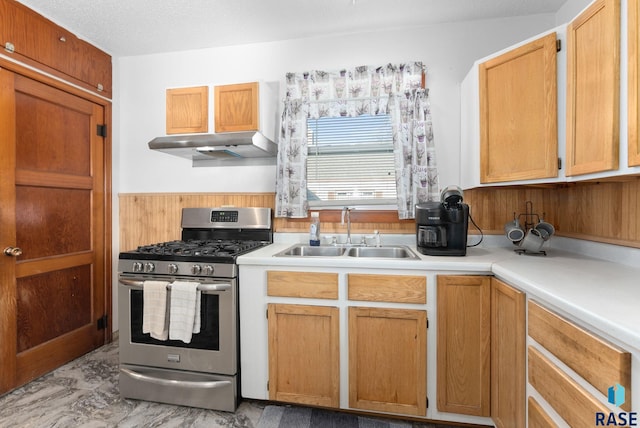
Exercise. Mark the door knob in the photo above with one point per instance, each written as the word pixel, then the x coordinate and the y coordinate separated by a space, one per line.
pixel 13 251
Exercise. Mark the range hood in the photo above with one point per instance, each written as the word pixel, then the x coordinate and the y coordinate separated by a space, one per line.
pixel 222 149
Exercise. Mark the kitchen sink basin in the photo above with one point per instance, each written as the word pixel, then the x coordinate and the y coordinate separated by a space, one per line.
pixel 383 252
pixel 308 251
pixel 386 252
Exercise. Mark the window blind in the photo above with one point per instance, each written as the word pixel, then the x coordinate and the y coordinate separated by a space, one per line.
pixel 351 159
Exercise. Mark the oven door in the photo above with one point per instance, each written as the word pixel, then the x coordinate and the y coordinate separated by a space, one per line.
pixel 213 350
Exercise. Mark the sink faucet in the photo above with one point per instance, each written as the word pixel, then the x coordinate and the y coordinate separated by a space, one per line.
pixel 347 211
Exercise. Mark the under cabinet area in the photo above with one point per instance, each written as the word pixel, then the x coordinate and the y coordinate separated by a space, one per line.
pixel 304 340
pixel 388 360
pixel 508 366
pixel 481 342
pixel 387 346
pixel 464 335
pixel 304 352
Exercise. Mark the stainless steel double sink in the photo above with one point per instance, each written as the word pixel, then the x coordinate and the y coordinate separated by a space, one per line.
pixel 385 252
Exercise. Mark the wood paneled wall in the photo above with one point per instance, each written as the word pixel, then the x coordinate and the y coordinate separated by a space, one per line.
pixel 147 218
pixel 603 212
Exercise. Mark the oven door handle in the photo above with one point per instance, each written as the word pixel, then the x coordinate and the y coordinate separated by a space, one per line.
pixel 172 382
pixel 204 287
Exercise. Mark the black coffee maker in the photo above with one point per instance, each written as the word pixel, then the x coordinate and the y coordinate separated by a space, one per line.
pixel 441 227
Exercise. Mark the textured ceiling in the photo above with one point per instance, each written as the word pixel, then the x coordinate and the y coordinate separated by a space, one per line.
pixel 137 27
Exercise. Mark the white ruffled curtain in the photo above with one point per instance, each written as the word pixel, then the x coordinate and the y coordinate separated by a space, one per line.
pixel 394 89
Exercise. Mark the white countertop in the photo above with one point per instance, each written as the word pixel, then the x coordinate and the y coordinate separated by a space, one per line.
pixel 602 294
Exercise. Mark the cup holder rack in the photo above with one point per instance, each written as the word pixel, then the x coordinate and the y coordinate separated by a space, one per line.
pixel 531 220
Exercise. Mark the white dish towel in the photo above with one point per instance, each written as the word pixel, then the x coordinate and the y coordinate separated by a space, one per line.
pixel 154 311
pixel 184 310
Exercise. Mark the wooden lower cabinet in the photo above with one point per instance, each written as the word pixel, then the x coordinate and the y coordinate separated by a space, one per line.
pixel 304 354
pixel 508 339
pixel 388 360
pixel 463 345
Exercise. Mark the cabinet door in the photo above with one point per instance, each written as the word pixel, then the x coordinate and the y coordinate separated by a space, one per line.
pixel 387 360
pixel 464 334
pixel 45 45
pixel 634 88
pixel 304 354
pixel 236 107
pixel 507 355
pixel 518 113
pixel 593 89
pixel 187 110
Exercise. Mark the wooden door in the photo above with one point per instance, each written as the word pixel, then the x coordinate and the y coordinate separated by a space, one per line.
pixel 304 354
pixel 236 107
pixel 593 89
pixel 518 113
pixel 52 187
pixel 507 355
pixel 464 335
pixel 388 360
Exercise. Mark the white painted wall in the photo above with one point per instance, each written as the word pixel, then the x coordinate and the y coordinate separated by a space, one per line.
pixel 448 50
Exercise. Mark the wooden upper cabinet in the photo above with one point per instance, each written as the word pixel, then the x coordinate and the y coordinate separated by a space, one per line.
pixel 236 107
pixel 633 7
pixel 593 89
pixel 518 113
pixel 36 41
pixel 187 110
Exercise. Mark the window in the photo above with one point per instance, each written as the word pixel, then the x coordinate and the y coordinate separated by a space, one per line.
pixel 350 161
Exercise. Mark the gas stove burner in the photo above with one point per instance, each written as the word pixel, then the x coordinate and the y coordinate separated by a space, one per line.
pixel 195 247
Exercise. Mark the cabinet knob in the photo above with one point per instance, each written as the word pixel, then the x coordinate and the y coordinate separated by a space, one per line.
pixel 12 251
pixel 62 39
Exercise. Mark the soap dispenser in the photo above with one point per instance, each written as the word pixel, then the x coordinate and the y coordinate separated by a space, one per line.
pixel 314 229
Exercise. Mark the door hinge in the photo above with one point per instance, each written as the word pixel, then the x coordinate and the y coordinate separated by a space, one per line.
pixel 266 313
pixel 559 163
pixel 267 385
pixel 427 398
pixel 102 322
pixel 427 323
pixel 101 130
pixel 558 45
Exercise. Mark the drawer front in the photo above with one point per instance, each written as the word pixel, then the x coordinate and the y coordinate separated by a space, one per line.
pixel 538 418
pixel 387 288
pixel 313 285
pixel 572 402
pixel 597 361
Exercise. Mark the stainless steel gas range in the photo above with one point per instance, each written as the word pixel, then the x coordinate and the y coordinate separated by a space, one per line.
pixel 203 371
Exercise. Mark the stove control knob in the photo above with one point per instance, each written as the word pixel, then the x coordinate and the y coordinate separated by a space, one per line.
pixel 207 270
pixel 137 267
pixel 149 267
pixel 195 269
pixel 172 268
